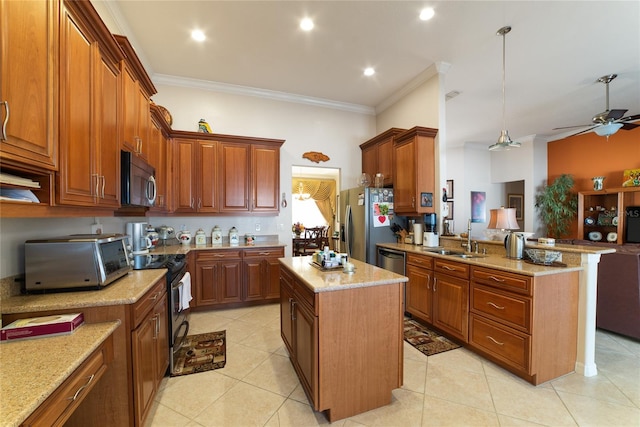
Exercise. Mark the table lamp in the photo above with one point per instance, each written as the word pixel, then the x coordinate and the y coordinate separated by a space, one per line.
pixel 501 222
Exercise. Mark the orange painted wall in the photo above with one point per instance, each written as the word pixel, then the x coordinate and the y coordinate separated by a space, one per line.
pixel 588 155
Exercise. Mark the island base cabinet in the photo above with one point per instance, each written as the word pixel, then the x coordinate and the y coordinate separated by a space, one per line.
pixel 528 325
pixel 345 345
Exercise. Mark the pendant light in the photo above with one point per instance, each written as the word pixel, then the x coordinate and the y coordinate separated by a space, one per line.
pixel 504 141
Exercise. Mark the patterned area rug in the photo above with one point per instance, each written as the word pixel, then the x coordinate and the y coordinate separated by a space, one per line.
pixel 200 353
pixel 425 340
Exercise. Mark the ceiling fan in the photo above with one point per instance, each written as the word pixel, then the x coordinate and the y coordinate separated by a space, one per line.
pixel 609 121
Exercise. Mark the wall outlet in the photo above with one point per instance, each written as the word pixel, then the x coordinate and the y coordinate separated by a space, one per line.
pixel 258 227
pixel 280 227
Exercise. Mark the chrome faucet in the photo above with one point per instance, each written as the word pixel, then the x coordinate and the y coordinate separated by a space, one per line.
pixel 467 245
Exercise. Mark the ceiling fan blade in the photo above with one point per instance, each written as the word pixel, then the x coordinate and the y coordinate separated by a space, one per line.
pixel 629 126
pixel 630 118
pixel 582 131
pixel 570 127
pixel 615 114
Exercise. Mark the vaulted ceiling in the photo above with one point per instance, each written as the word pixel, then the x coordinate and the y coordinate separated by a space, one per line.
pixel 554 55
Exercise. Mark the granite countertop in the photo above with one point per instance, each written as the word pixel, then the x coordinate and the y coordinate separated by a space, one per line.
pixel 31 370
pixel 494 261
pixel 335 279
pixel 126 290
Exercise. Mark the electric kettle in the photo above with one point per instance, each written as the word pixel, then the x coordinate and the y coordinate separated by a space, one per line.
pixel 514 243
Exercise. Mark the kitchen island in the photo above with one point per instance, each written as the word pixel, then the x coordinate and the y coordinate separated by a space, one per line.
pixel 344 334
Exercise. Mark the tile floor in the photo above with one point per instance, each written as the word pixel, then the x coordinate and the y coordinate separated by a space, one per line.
pixel 258 386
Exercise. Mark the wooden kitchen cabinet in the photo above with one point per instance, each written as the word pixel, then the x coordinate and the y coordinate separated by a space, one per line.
pixel 262 274
pixel 29 82
pixel 226 174
pixel 451 298
pixel 196 182
pixel 526 324
pixel 377 155
pixel 414 170
pixel 160 158
pixel 70 394
pixel 150 349
pixel 136 91
pixel 218 277
pixel 89 172
pixel 117 398
pixel 299 326
pixel 419 293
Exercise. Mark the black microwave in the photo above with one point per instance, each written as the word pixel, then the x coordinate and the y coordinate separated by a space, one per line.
pixel 137 181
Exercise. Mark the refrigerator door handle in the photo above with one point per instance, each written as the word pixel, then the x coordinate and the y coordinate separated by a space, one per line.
pixel 349 225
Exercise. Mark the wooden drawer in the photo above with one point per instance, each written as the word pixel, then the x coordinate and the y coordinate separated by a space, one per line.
pixel 217 255
pixel 306 296
pixel 264 253
pixel 452 268
pixel 60 405
pixel 140 309
pixel 420 260
pixel 508 346
pixel 501 279
pixel 512 310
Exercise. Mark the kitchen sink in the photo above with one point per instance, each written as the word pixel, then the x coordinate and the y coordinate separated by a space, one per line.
pixel 458 254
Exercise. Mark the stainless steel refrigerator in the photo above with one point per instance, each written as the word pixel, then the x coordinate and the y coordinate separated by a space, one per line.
pixel 366 215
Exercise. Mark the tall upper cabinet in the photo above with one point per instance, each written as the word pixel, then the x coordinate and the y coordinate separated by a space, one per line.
pixel 377 155
pixel 137 89
pixel 28 84
pixel 414 172
pixel 89 173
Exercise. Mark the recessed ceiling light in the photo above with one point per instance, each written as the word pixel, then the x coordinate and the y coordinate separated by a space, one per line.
pixel 427 13
pixel 198 35
pixel 306 24
pixel 369 71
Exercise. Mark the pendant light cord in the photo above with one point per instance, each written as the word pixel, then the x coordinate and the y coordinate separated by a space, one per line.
pixel 504 61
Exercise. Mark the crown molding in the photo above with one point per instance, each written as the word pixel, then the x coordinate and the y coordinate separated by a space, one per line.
pixel 259 93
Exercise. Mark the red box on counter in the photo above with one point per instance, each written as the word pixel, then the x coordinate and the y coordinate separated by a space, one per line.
pixel 35 327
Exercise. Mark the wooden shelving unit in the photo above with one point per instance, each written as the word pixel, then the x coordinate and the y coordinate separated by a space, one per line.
pixel 604 212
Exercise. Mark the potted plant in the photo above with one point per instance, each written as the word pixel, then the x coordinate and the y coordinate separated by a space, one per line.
pixel 557 205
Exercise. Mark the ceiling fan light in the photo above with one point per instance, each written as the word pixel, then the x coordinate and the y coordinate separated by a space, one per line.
pixel 608 129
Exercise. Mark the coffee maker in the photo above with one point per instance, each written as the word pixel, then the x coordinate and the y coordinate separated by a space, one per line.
pixel 137 232
pixel 430 237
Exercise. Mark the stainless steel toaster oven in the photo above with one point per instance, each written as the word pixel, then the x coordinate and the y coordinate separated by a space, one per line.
pixel 76 262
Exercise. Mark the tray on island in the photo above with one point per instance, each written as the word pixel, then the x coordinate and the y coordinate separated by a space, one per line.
pixel 321 267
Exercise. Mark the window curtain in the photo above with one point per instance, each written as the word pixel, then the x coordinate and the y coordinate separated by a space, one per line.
pixel 322 191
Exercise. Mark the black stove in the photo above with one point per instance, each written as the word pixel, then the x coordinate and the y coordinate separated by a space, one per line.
pixel 174 263
pixel 178 319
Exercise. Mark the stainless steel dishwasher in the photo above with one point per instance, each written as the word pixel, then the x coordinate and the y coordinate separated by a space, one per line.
pixel 392 260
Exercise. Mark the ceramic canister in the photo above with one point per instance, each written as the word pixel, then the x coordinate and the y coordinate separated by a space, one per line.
pixel 234 240
pixel 201 238
pixel 216 236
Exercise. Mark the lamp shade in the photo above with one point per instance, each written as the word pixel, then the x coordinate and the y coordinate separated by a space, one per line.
pixel 503 219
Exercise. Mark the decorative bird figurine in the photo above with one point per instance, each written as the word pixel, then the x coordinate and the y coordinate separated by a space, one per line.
pixel 204 127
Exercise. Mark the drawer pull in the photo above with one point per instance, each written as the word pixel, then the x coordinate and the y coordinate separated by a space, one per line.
pixel 265 253
pixel 492 339
pixel 446 267
pixel 77 393
pixel 218 255
pixel 495 306
pixel 496 279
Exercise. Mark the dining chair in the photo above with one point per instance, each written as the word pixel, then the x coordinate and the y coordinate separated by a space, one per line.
pixel 312 240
